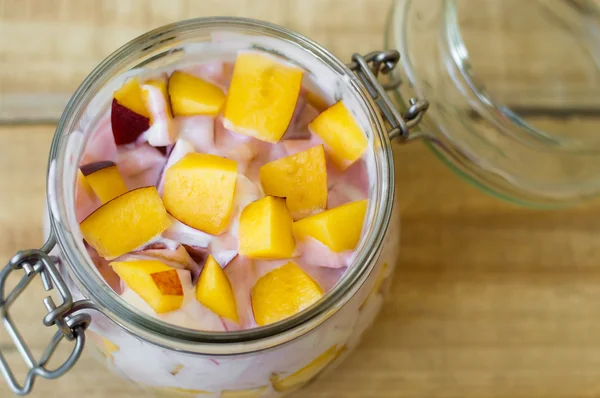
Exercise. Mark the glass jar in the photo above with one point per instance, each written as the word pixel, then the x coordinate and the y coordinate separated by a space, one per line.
pixel 514 88
pixel 167 360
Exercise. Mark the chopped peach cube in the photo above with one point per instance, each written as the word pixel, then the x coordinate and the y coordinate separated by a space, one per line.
pixel 345 140
pixel 282 293
pixel 130 96
pixel 305 374
pixel 105 180
pixel 265 229
pixel 125 223
pixel 262 96
pixel 338 228
pixel 214 291
pixel 199 191
pixel 191 95
pixel 155 282
pixel 300 178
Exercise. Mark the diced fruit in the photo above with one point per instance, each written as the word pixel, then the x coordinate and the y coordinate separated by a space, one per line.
pixel 125 223
pixel 249 393
pixel 105 180
pixel 262 96
pixel 343 136
pixel 300 178
pixel 282 293
pixel 176 369
pixel 214 291
pixel 199 190
pixel 306 374
pixel 131 97
pixel 265 229
pixel 85 199
pixel 155 282
pixel 338 228
pixel 109 348
pixel 191 95
pixel 127 125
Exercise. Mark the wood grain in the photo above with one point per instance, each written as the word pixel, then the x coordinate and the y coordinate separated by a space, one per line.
pixel 489 300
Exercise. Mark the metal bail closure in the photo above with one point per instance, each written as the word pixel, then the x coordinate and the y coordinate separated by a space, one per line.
pixel 367 68
pixel 71 326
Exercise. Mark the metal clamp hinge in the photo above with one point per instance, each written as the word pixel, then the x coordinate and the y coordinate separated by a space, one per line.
pixel 71 325
pixel 367 68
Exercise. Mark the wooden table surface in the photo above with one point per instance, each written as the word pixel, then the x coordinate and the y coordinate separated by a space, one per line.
pixel 489 299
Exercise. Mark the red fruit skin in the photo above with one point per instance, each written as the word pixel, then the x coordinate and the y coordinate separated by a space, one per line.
pixel 127 125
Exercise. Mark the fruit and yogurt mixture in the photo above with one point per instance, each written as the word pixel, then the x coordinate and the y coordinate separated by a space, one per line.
pixel 223 195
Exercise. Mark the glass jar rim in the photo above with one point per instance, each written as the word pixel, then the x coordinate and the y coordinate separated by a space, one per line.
pixel 183 339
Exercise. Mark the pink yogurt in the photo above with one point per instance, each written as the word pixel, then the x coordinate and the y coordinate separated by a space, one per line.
pixel 143 162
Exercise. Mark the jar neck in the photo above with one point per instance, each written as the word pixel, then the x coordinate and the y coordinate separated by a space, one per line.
pixel 190 41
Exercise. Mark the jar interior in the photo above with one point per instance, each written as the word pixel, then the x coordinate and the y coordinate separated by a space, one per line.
pixel 191 42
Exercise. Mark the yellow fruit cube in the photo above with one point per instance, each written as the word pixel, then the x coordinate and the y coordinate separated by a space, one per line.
pixel 126 222
pixel 300 178
pixel 130 96
pixel 262 96
pixel 306 374
pixel 338 228
pixel 265 229
pixel 155 282
pixel 105 180
pixel 282 293
pixel 345 140
pixel 191 95
pixel 109 348
pixel 199 190
pixel 214 291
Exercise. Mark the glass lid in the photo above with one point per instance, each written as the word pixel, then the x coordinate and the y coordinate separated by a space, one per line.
pixel 514 91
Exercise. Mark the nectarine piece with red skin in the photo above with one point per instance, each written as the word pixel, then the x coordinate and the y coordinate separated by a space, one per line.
pixel 104 179
pixel 127 125
pixel 155 282
pixel 125 223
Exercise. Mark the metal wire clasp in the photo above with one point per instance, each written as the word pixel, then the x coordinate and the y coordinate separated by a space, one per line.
pixel 367 68
pixel 71 326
